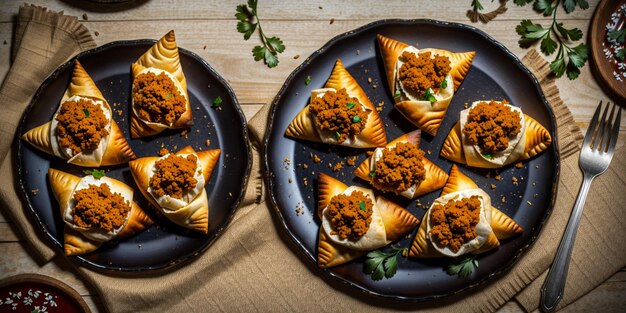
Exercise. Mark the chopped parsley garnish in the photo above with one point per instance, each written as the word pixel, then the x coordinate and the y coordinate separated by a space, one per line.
pixel 429 96
pixel 338 135
pixel 462 266
pixel 307 80
pixel 169 95
pixel 380 264
pixel 487 155
pixel 95 173
pixel 372 174
pixel 356 119
pixel 444 84
pixel 398 94
pixel 350 105
pixel 217 102
pixel 362 205
pixel 86 112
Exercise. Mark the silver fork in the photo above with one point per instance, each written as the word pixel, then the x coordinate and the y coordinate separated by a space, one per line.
pixel 595 156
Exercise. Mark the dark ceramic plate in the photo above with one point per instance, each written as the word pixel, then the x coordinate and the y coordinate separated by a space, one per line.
pixel 164 244
pixel 496 73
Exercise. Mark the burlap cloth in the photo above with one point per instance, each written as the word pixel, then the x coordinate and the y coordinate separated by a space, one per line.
pixel 254 267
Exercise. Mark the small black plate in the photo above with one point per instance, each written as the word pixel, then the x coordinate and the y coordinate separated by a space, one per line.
pixel 495 74
pixel 165 244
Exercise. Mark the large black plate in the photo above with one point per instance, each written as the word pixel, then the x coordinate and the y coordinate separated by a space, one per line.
pixel 496 73
pixel 165 244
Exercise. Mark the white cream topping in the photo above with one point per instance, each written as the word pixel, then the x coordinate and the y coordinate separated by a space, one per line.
pixel 96 233
pixel 513 151
pixel 405 94
pixel 158 71
pixel 378 154
pixel 170 203
pixel 327 137
pixel 483 228
pixel 92 158
pixel 374 238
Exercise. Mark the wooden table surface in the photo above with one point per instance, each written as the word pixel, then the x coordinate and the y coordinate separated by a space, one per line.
pixel 208 28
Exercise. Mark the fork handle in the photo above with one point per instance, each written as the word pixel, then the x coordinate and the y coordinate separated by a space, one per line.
pixel 552 289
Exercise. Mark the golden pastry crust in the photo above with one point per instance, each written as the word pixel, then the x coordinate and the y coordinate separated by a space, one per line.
pixel 195 215
pixel 424 114
pixel 435 177
pixel 373 135
pixel 502 226
pixel 75 243
pixel 117 150
pixel 398 222
pixel 537 139
pixel 163 55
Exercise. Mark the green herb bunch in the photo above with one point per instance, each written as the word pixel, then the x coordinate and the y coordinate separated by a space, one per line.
pixel 247 25
pixel 568 59
pixel 462 266
pixel 380 264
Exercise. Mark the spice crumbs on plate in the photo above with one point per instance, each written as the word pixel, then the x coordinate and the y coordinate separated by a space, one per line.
pixel 519 165
pixel 184 133
pixel 338 167
pixel 503 200
pixel 514 180
pixel 305 166
pixel 497 177
pixel 529 203
pixel 34 191
pixel 163 151
pixel 207 142
pixel 493 186
pixel 351 160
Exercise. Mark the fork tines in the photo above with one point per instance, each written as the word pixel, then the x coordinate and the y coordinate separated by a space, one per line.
pixel 602 136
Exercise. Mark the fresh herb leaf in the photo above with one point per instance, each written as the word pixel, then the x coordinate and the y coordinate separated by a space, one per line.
pixel 573 34
pixel 380 264
pixel 462 266
pixel 338 135
pixel 487 155
pixel 350 105
pixel 570 5
pixel 217 102
pixel 476 5
pixel 35 311
pixel 372 174
pixel 444 84
pixel 356 119
pixel 429 96
pixel 362 205
pixel 397 94
pixel 248 23
pixel 97 174
pixel 86 112
pixel 522 2
pixel 620 54
pixel 307 80
pixel 548 46
pixel 545 6
pixel 618 35
pixel 169 95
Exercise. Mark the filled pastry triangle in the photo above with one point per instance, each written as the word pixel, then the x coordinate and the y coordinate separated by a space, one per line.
pixel 175 185
pixel 423 81
pixel 82 130
pixel 159 93
pixel 343 237
pixel 95 210
pixel 339 114
pixel 461 202
pixel 401 167
pixel 492 134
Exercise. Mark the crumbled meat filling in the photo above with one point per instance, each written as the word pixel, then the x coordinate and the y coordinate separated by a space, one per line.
pixel 350 216
pixel 157 99
pixel 340 114
pixel 454 223
pixel 174 175
pixel 98 207
pixel 81 125
pixel 399 168
pixel 421 72
pixel 490 125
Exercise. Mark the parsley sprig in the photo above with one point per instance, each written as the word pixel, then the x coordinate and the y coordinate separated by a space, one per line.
pixel 568 59
pixel 462 266
pixel 97 174
pixel 380 264
pixel 248 23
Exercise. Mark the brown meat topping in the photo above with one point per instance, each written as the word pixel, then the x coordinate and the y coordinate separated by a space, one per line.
pixel 81 125
pixel 98 207
pixel 157 99
pixel 399 168
pixel 490 125
pixel 454 223
pixel 340 114
pixel 350 216
pixel 419 73
pixel 174 175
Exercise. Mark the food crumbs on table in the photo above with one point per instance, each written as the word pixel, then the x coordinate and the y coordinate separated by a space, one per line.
pixel 5 42
pixel 428 151
pixel 497 177
pixel 338 166
pixel 316 159
pixel 369 80
pixel 351 160
pixel 97 34
pixel 139 246
pixel 529 203
pixel 163 151
pixel 119 112
pixel 320 7
pixel 358 52
pixel 305 166
pixel 184 133
pixel 290 180
pixel 295 57
pixel 299 209
pixel 34 191
pixel 503 200
pixel 493 186
pixel 208 142
pixel 519 165
pixel 514 180
pixel 286 163
pixel 330 165
pixel 230 194
pixel 305 182
pixel 85 17
pixel 332 20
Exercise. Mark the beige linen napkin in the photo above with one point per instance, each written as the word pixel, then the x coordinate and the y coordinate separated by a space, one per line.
pixel 253 266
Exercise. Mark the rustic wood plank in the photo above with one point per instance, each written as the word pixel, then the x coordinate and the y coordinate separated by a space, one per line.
pixel 294 10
